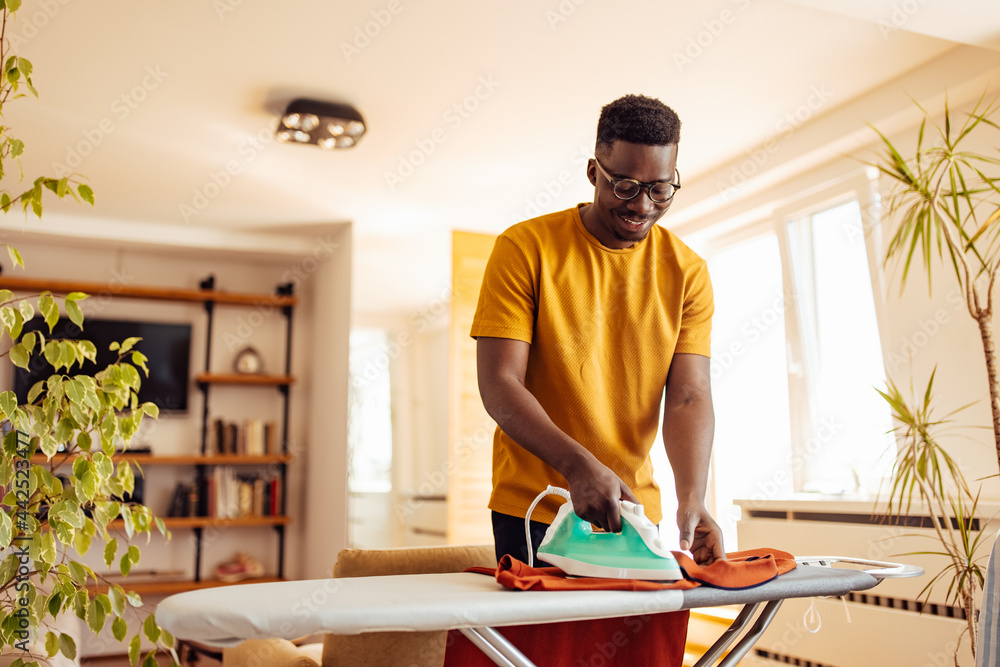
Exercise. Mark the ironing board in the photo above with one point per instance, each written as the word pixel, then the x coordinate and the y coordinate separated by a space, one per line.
pixel 476 605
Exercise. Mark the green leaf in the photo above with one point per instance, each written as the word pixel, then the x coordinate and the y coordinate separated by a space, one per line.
pixel 51 643
pixel 139 359
pixel 6 530
pixel 151 629
pixel 125 565
pixel 128 344
pixel 119 628
pixel 66 643
pixel 13 5
pixel 27 310
pixel 15 256
pixel 20 357
pixel 8 403
pixel 12 320
pixel 150 660
pixel 133 649
pixel 5 294
pixel 49 309
pixel 133 598
pixel 88 349
pixel 117 600
pixel 110 549
pixel 133 553
pixel 55 603
pixel 95 616
pixel 74 313
pixel 86 194
pixel 64 429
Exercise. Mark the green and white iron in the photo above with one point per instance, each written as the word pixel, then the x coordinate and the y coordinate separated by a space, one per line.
pixel 572 545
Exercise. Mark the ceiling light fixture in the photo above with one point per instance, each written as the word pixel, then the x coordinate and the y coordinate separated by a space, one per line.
pixel 323 124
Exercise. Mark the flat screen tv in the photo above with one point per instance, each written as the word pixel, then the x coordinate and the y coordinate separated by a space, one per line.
pixel 166 346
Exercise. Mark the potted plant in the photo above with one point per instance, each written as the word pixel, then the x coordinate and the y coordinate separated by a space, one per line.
pixel 945 204
pixel 73 421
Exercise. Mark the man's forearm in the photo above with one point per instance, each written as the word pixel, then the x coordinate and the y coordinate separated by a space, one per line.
pixel 688 432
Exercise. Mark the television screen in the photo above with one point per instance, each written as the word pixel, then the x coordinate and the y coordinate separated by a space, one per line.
pixel 166 346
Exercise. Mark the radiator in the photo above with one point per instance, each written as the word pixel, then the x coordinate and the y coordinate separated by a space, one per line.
pixel 887 625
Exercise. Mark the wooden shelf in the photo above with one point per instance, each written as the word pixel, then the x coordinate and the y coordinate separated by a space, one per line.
pixel 158 293
pixel 192 459
pixel 169 587
pixel 215 522
pixel 244 379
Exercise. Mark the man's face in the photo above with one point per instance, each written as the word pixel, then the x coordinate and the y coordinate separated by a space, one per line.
pixel 618 223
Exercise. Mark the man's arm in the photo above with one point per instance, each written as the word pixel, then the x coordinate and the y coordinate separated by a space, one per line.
pixel 688 430
pixel 595 489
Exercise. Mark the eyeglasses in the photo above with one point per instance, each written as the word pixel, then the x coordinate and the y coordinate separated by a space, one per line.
pixel 627 188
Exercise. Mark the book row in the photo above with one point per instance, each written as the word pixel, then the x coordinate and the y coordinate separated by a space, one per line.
pixel 224 494
pixel 252 437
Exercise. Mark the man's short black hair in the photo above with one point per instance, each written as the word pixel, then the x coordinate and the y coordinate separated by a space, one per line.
pixel 637 119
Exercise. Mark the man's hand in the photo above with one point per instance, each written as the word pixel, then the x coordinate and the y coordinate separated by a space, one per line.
pixel 596 491
pixel 700 534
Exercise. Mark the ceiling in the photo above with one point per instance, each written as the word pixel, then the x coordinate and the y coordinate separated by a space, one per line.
pixel 479 113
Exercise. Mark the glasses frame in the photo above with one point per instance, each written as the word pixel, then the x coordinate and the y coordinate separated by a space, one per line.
pixel 647 186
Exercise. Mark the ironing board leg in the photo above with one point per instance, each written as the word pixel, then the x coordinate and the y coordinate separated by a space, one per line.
pixel 496 647
pixel 751 637
pixel 731 634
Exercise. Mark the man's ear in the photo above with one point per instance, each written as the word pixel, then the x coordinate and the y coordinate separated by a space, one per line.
pixel 592 172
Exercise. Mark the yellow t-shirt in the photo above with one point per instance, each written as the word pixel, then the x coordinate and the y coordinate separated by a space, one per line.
pixel 603 325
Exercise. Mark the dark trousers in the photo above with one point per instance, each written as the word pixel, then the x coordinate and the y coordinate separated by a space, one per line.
pixel 508 538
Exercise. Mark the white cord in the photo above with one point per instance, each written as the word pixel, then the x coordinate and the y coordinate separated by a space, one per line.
pixel 812 616
pixel 550 490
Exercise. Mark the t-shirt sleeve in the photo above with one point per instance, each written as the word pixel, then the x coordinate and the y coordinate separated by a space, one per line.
pixel 696 321
pixel 507 298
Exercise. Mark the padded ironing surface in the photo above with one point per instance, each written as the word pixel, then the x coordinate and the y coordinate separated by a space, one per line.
pixel 227 615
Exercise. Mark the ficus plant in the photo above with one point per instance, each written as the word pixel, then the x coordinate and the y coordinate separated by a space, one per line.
pixel 62 487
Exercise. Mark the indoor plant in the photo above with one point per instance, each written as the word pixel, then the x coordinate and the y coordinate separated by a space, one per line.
pixel 45 521
pixel 945 204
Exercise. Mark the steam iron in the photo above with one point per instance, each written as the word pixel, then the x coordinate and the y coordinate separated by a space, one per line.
pixel 572 545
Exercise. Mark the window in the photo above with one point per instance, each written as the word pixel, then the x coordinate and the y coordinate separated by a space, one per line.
pixel 796 356
pixel 369 427
pixel 842 423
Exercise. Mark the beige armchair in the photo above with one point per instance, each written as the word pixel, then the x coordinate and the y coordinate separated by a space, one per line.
pixel 419 649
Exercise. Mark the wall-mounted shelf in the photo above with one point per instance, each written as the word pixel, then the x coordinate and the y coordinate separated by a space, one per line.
pixel 16 283
pixel 247 378
pixel 187 460
pixel 171 586
pixel 215 522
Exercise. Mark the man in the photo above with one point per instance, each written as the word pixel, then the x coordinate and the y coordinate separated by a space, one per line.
pixel 585 318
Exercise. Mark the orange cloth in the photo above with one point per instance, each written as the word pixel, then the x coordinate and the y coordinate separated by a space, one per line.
pixel 742 569
pixel 652 639
pixel 604 325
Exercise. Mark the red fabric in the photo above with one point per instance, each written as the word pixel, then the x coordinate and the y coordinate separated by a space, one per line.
pixel 653 639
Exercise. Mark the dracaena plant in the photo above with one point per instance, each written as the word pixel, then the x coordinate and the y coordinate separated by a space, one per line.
pixel 72 424
pixel 945 206
pixel 924 472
